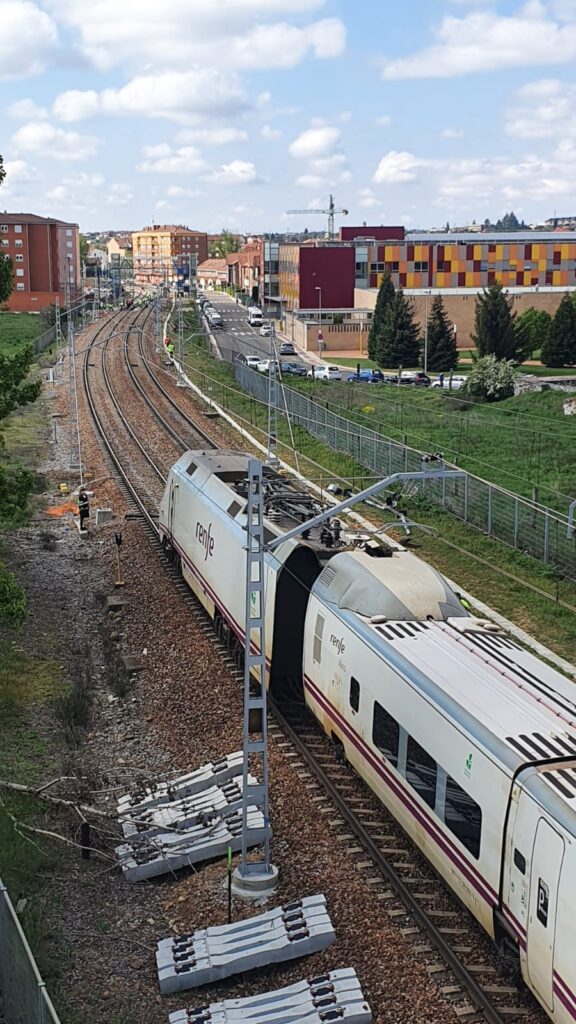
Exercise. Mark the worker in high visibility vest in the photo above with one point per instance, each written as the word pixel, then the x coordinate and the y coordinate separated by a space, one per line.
pixel 170 350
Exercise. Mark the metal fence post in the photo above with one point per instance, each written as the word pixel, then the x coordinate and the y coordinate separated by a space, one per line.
pixel 466 498
pixel 489 524
pixel 546 537
pixel 516 521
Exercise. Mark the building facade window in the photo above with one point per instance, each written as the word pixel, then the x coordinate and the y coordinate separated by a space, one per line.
pixel 3 228
pixel 68 231
pixel 19 287
pixel 19 272
pixel 18 229
pixel 19 242
pixel 19 258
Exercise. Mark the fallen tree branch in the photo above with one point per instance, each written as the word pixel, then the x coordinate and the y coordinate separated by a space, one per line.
pixel 39 793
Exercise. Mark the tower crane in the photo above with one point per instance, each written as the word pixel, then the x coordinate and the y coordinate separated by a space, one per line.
pixel 330 213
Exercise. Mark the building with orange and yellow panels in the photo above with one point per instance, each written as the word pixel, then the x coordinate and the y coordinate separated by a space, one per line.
pixel 158 250
pixel 470 260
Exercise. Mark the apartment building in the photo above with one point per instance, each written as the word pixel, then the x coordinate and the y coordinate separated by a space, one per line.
pixel 45 255
pixel 159 252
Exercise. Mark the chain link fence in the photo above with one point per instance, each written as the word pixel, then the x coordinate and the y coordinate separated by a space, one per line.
pixel 516 521
pixel 23 995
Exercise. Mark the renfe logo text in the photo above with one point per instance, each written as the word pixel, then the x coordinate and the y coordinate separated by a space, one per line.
pixel 338 643
pixel 205 538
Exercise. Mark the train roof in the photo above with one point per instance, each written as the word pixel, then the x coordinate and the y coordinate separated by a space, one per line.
pixel 519 707
pixel 399 586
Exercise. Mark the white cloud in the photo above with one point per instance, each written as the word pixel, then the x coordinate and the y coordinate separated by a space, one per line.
pixel 146 34
pixel 284 46
pixel 76 105
pixel 212 136
pixel 177 192
pixel 452 133
pixel 163 159
pixel 238 172
pixel 26 110
pixel 18 171
pixel 315 142
pixel 383 121
pixel 269 133
pixel 309 181
pixel 119 194
pixel 396 168
pixel 182 96
pixel 28 38
pixel 53 143
pixel 485 40
pixel 544 109
pixel 367 199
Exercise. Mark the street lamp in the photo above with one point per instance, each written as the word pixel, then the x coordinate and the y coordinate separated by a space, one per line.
pixel 320 335
pixel 426 293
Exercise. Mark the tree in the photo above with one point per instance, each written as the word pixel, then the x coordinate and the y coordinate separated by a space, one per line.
pixel 509 222
pixel 491 379
pixel 398 342
pixel 494 332
pixel 227 242
pixel 442 350
pixel 386 293
pixel 532 328
pixel 84 247
pixel 6 269
pixel 559 348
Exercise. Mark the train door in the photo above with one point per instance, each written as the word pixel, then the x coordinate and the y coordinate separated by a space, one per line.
pixel 172 507
pixel 547 857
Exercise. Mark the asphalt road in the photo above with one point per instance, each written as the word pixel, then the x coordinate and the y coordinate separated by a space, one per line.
pixel 237 335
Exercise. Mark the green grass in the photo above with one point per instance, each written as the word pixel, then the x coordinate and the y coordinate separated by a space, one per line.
pixel 521 443
pixel 27 685
pixel 18 330
pixel 451 549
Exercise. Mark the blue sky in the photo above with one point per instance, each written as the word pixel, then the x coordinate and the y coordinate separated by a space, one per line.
pixel 227 113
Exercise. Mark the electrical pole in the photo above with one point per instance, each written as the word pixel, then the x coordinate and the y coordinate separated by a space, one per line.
pixel 255 875
pixel 58 325
pixel 180 330
pixel 272 403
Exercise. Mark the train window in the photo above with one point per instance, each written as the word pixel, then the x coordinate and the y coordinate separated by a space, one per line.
pixel 354 694
pixel 421 771
pixel 191 468
pixel 463 816
pixel 520 861
pixel 234 509
pixel 385 734
pixel 317 645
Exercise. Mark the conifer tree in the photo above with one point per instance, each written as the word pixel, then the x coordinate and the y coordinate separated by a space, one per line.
pixel 494 332
pixel 385 295
pixel 398 342
pixel 442 350
pixel 559 349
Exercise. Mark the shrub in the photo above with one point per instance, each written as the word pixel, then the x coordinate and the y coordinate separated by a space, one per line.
pixel 491 379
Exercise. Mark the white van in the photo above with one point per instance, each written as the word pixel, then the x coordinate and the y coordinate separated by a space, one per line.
pixel 255 318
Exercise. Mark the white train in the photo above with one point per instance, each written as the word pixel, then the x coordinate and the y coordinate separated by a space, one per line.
pixel 469 740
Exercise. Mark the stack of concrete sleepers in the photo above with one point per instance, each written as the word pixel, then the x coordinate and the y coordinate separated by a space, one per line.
pixel 214 773
pixel 204 806
pixel 336 996
pixel 210 954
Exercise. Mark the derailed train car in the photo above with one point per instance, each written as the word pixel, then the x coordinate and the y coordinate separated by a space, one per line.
pixel 469 740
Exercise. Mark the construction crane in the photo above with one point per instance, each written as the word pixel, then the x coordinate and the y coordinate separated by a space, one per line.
pixel 330 213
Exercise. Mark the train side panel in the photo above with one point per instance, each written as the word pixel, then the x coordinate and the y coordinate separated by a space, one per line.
pixel 431 772
pixel 538 900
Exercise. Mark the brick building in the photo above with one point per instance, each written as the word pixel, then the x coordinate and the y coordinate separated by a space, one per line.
pixel 317 275
pixel 245 269
pixel 159 251
pixel 469 260
pixel 45 254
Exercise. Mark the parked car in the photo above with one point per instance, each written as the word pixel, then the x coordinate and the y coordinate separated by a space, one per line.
pixel 457 382
pixel 366 377
pixel 295 369
pixel 251 361
pixel 287 348
pixel 325 372
pixel 264 365
pixel 417 378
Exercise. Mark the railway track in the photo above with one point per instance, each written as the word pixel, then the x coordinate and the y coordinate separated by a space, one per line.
pixel 458 956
